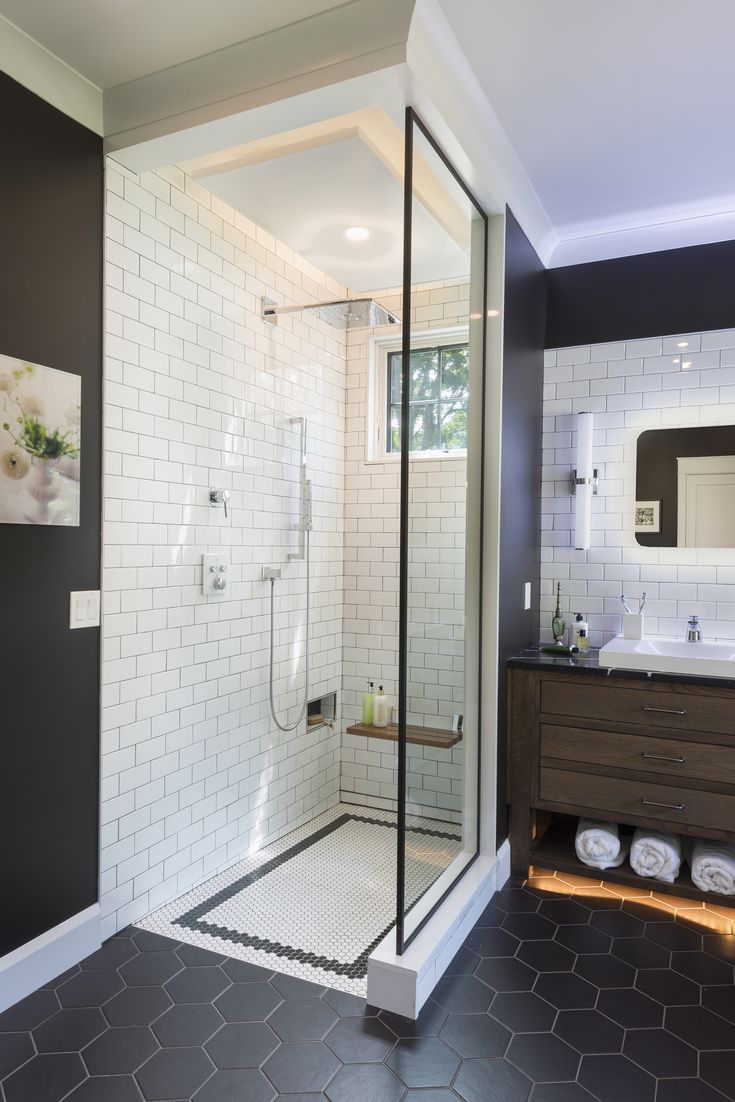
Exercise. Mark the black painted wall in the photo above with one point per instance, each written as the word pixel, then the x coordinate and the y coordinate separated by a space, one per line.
pixel 520 508
pixel 675 291
pixel 50 313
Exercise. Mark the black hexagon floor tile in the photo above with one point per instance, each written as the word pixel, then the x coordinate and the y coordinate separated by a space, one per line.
pixel 90 988
pixel 566 991
pixel 360 1040
pixel 113 953
pixel 106 1088
pixel 365 1083
pixel 718 1069
pixel 721 1000
pixel 303 1020
pixel 481 1080
pixel 506 974
pixel 174 1073
pixel 700 1027
pixel 242 1045
pixel 672 936
pixel 660 1053
pixel 702 968
pixel 15 1050
pixel 462 995
pixel 247 1002
pixel 45 1078
pixel 430 1020
pixel 543 1057
pixel 492 941
pixel 301 1066
pixel 151 969
pixel 29 1012
pixel 120 1051
pixel 423 1062
pixel 523 1012
pixel 604 970
pixel 589 1032
pixel 197 985
pixel 241 1085
pixel 187 1024
pixel 475 1035
pixel 546 956
pixel 565 912
pixel 69 1030
pixel 583 939
pixel 630 1008
pixel 136 1006
pixel 667 987
pixel 529 926
pixel 616 1079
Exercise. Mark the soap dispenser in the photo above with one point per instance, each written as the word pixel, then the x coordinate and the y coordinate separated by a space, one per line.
pixel 368 702
pixel 380 710
pixel 581 632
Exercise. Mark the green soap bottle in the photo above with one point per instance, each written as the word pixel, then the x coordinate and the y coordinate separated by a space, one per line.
pixel 368 704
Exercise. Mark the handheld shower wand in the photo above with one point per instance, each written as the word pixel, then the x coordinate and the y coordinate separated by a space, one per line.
pixel 304 528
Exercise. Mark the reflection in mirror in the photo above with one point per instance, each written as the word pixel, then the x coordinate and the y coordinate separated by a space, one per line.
pixel 685 487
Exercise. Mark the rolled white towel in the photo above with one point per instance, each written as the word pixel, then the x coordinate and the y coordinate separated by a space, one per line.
pixel 713 866
pixel 599 845
pixel 656 854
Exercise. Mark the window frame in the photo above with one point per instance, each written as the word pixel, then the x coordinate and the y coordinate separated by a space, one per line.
pixel 381 348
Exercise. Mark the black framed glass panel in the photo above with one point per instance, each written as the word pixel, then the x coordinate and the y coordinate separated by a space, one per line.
pixel 435 399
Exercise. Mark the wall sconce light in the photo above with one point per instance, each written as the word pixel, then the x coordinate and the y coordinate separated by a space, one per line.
pixel 584 482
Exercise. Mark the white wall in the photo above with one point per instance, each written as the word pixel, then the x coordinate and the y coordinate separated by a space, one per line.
pixel 198 392
pixel 436 653
pixel 631 386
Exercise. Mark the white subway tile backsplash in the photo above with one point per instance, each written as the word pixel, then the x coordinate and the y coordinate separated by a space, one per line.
pixel 646 384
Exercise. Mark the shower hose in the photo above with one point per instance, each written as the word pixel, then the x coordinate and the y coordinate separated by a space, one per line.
pixel 283 726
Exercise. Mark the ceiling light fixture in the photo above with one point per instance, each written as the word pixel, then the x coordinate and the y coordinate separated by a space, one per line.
pixel 357 233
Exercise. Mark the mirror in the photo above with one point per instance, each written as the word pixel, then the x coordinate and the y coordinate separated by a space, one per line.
pixel 685 487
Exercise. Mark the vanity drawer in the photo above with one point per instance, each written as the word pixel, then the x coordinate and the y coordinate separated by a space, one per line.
pixel 682 759
pixel 682 710
pixel 631 800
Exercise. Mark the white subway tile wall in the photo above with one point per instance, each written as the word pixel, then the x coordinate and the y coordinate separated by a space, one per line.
pixel 198 393
pixel 664 382
pixel 436 651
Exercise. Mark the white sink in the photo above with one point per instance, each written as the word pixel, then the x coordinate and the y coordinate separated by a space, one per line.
pixel 660 655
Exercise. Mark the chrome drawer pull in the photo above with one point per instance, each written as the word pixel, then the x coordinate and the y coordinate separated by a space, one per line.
pixel 665 711
pixel 662 757
pixel 671 807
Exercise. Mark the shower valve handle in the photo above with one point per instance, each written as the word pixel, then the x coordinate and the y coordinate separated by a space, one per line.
pixel 219 497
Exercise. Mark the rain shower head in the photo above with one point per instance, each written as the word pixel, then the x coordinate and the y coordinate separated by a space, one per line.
pixel 348 313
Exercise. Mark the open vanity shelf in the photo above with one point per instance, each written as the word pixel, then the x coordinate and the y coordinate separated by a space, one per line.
pixel 424 736
pixel 633 749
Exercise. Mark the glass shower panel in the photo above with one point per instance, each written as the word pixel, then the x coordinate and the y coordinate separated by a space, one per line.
pixel 436 396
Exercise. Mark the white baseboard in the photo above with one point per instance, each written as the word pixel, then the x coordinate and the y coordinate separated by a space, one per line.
pixel 403 983
pixel 48 955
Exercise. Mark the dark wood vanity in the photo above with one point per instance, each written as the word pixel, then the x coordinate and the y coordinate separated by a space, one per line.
pixel 631 748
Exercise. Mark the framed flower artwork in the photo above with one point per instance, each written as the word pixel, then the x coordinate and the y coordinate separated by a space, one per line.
pixel 40 411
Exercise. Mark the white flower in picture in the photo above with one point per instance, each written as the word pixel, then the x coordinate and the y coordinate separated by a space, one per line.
pixel 39 444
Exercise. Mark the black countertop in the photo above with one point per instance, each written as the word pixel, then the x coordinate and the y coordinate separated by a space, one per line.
pixel 589 663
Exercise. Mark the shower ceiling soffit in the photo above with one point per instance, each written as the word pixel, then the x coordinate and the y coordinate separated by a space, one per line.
pixel 307 185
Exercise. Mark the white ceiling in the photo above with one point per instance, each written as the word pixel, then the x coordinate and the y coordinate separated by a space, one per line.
pixel 307 199
pixel 621 113
pixel 113 41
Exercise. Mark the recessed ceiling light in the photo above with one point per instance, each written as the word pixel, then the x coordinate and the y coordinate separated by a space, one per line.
pixel 683 344
pixel 357 233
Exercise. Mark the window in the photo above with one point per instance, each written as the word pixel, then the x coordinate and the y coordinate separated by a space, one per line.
pixel 438 398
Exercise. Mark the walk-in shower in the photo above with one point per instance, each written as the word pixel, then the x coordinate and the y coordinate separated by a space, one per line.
pixel 348 430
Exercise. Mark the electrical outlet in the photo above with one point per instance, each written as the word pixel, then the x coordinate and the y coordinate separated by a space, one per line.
pixel 526 596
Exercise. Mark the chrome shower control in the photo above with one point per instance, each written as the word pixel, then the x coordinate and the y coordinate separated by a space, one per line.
pixel 219 497
pixel 214 574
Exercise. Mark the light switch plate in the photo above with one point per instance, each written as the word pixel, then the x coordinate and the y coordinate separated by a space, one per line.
pixel 215 567
pixel 526 596
pixel 84 608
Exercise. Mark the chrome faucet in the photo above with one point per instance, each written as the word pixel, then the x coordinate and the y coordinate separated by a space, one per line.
pixel 694 633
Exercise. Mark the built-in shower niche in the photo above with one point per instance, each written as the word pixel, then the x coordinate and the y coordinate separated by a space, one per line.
pixel 322 712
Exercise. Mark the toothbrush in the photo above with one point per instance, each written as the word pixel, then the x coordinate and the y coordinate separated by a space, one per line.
pixel 622 598
pixel 641 603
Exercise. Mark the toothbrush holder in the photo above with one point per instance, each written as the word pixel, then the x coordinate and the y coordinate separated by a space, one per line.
pixel 633 625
